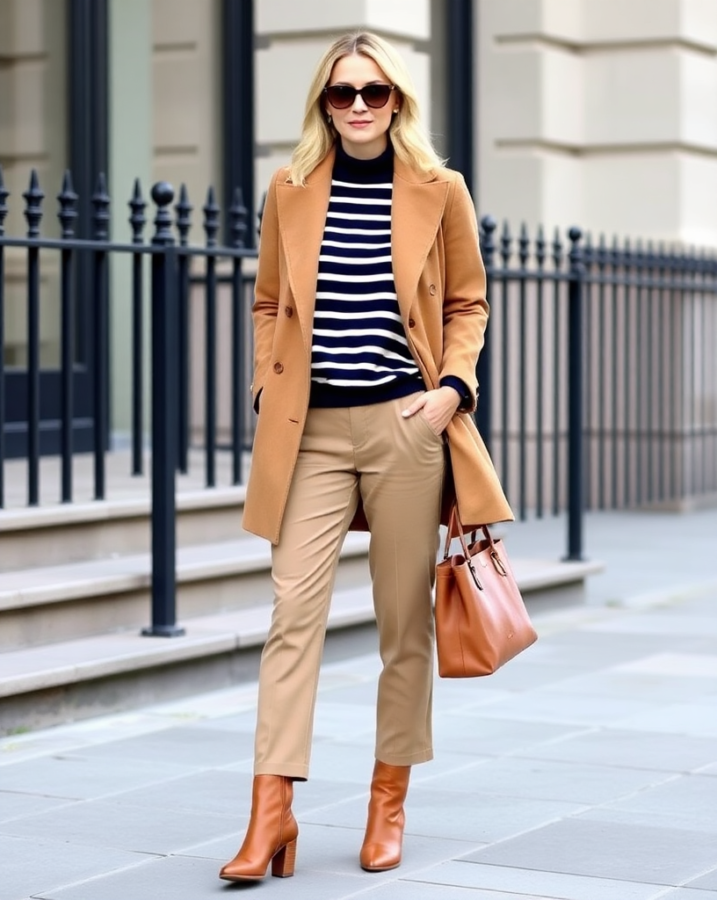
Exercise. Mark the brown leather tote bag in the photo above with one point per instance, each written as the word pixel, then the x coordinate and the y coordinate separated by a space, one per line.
pixel 481 620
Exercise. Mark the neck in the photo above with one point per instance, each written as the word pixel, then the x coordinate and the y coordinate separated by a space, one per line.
pixel 365 151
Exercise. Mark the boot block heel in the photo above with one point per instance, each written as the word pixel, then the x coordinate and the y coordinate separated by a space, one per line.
pixel 282 865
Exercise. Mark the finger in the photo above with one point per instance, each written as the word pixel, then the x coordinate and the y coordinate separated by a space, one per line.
pixel 417 404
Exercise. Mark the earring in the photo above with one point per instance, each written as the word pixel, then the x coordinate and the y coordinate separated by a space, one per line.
pixel 328 118
pixel 395 111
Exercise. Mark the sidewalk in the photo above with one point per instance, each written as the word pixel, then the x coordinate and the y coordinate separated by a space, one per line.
pixel 586 769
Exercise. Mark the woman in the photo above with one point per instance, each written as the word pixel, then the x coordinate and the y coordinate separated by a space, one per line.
pixel 369 316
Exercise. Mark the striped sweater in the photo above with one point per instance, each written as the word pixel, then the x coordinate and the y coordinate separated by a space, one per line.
pixel 359 354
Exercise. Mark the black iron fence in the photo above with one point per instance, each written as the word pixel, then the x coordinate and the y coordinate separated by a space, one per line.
pixel 601 367
pixel 171 265
pixel 598 378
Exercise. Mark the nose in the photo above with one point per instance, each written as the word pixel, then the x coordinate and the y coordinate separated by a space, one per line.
pixel 359 104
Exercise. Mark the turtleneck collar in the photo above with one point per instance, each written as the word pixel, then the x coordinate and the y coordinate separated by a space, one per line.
pixel 380 168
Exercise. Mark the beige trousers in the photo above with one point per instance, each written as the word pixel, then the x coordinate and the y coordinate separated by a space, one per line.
pixel 396 466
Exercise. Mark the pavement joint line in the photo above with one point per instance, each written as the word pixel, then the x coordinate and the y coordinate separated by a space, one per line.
pixel 150 857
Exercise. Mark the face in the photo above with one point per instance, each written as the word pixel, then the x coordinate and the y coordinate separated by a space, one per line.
pixel 363 130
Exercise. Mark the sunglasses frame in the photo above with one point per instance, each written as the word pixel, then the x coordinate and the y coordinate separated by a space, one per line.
pixel 359 91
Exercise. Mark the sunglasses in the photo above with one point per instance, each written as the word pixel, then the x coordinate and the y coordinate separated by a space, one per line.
pixel 375 96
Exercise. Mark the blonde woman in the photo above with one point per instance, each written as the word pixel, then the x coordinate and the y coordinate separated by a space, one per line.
pixel 369 316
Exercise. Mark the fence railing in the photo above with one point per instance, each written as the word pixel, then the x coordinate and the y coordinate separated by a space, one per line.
pixel 171 265
pixel 598 377
pixel 601 369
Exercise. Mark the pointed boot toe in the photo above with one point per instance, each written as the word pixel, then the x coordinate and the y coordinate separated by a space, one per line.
pixel 380 857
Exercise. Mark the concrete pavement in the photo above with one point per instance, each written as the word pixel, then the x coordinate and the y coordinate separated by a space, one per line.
pixel 586 769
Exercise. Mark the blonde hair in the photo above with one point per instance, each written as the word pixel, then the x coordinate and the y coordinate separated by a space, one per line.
pixel 410 141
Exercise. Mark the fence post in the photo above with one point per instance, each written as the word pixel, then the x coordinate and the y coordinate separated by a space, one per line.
pixel 576 490
pixel 483 409
pixel 164 419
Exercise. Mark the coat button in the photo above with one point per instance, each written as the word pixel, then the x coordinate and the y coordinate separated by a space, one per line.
pixel 432 290
pixel 411 323
pixel 278 368
pixel 289 311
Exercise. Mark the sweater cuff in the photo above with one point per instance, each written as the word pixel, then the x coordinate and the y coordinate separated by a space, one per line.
pixel 461 387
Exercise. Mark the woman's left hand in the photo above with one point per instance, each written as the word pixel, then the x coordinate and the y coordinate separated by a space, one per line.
pixel 439 406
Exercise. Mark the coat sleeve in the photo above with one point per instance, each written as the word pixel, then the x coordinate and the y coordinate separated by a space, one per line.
pixel 465 310
pixel 266 292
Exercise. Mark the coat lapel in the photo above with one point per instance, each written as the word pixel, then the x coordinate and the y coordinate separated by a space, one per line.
pixel 416 212
pixel 302 217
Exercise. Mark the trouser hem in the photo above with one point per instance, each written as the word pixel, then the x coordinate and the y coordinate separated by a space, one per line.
pixel 407 759
pixel 288 770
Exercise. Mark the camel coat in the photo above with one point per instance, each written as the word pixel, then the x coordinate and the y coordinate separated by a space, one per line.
pixel 440 284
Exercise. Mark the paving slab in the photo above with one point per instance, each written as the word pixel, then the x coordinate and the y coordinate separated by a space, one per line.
pixel 628 749
pixel 548 780
pixel 466 731
pixel 182 745
pixel 706 882
pixel 585 770
pixel 641 819
pixel 697 719
pixel 416 890
pixel 16 805
pixel 33 865
pixel 196 877
pixel 663 856
pixel 543 705
pixel 687 894
pixel 219 791
pixel 121 827
pixel 454 815
pixel 79 775
pixel 532 883
pixel 686 798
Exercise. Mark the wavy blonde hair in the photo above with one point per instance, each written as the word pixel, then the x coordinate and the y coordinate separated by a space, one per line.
pixel 410 141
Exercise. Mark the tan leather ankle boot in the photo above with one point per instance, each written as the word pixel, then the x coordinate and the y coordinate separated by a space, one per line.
pixel 381 848
pixel 271 835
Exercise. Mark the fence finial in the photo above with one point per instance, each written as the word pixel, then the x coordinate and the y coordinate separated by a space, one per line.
pixel 67 198
pixel 237 215
pixel 557 249
pixel 540 247
pixel 505 241
pixel 211 218
pixel 523 245
pixel 137 219
pixel 163 194
pixel 4 194
pixel 487 242
pixel 101 215
pixel 588 251
pixel 183 209
pixel 602 252
pixel 576 251
pixel 33 210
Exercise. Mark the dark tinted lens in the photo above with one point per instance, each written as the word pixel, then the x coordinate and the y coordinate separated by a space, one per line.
pixel 376 95
pixel 341 96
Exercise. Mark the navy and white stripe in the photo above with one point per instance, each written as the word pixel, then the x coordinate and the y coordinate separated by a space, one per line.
pixel 360 354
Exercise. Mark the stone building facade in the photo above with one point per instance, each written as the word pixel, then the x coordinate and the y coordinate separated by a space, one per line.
pixel 597 112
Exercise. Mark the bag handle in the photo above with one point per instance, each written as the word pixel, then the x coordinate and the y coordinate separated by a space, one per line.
pixel 455 519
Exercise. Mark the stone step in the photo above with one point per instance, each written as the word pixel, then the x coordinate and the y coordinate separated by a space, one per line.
pixel 42 605
pixel 77 678
pixel 58 534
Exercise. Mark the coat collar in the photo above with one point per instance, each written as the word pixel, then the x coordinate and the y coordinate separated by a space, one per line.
pixel 416 211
